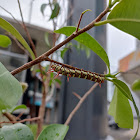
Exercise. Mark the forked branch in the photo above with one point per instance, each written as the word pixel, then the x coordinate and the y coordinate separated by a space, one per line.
pixel 80 103
pixel 45 55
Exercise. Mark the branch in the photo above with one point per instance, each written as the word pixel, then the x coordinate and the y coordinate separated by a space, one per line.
pixel 78 96
pixel 25 120
pixel 45 87
pixel 80 103
pixel 19 45
pixel 18 117
pixel 9 116
pixel 11 15
pixel 110 2
pixel 54 23
pixel 116 20
pixel 26 30
pixel 45 55
pixel 69 16
pixel 81 19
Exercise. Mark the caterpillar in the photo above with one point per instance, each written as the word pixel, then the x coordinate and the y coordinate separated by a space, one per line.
pixel 79 73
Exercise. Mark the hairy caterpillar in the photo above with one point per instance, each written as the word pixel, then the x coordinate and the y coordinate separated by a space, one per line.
pixel 80 73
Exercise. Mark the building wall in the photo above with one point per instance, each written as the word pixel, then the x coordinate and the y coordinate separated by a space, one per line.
pixel 90 121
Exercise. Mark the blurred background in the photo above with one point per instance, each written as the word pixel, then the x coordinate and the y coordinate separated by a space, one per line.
pixel 91 121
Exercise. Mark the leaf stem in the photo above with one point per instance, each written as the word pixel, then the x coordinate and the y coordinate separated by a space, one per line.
pixel 114 2
pixel 110 3
pixel 25 120
pixel 138 117
pixel 115 20
pixel 81 19
pixel 112 76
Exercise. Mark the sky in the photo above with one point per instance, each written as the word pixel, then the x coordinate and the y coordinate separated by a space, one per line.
pixel 36 16
pixel 119 44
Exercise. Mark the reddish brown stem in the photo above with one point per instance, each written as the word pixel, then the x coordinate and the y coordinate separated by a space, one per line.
pixel 79 22
pixel 19 45
pixel 9 116
pixel 18 117
pixel 45 55
pixel 11 15
pixel 26 30
pixel 25 120
pixel 42 107
pixel 41 112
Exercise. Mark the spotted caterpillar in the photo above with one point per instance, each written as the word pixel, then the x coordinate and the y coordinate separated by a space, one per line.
pixel 80 73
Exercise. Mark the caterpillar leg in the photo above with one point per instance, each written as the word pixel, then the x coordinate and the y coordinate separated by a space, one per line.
pixel 56 75
pixel 50 70
pixel 68 77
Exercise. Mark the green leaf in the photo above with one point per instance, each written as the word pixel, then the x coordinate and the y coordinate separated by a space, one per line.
pixel 138 117
pixel 87 52
pixel 86 11
pixel 47 39
pixel 68 47
pixel 136 85
pixel 24 86
pixel 55 11
pixel 4 41
pixel 16 132
pixel 18 107
pixel 42 8
pixel 121 110
pixel 126 10
pixel 88 41
pixel 62 53
pixel 51 75
pixel 58 81
pixel 9 28
pixel 54 132
pixel 50 82
pixel 123 88
pixel 33 128
pixel 10 89
pixel 47 68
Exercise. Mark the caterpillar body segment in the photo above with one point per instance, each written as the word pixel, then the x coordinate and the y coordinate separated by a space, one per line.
pixel 79 73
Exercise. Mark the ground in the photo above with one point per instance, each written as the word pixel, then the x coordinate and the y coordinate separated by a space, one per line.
pixel 123 134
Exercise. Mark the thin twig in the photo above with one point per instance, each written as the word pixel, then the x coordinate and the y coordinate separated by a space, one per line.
pixel 69 16
pixel 43 56
pixel 78 96
pixel 9 116
pixel 79 22
pixel 41 111
pixel 45 92
pixel 26 30
pixel 54 23
pixel 80 103
pixel 25 120
pixel 45 88
pixel 18 117
pixel 19 45
pixel 81 19
pixel 11 15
